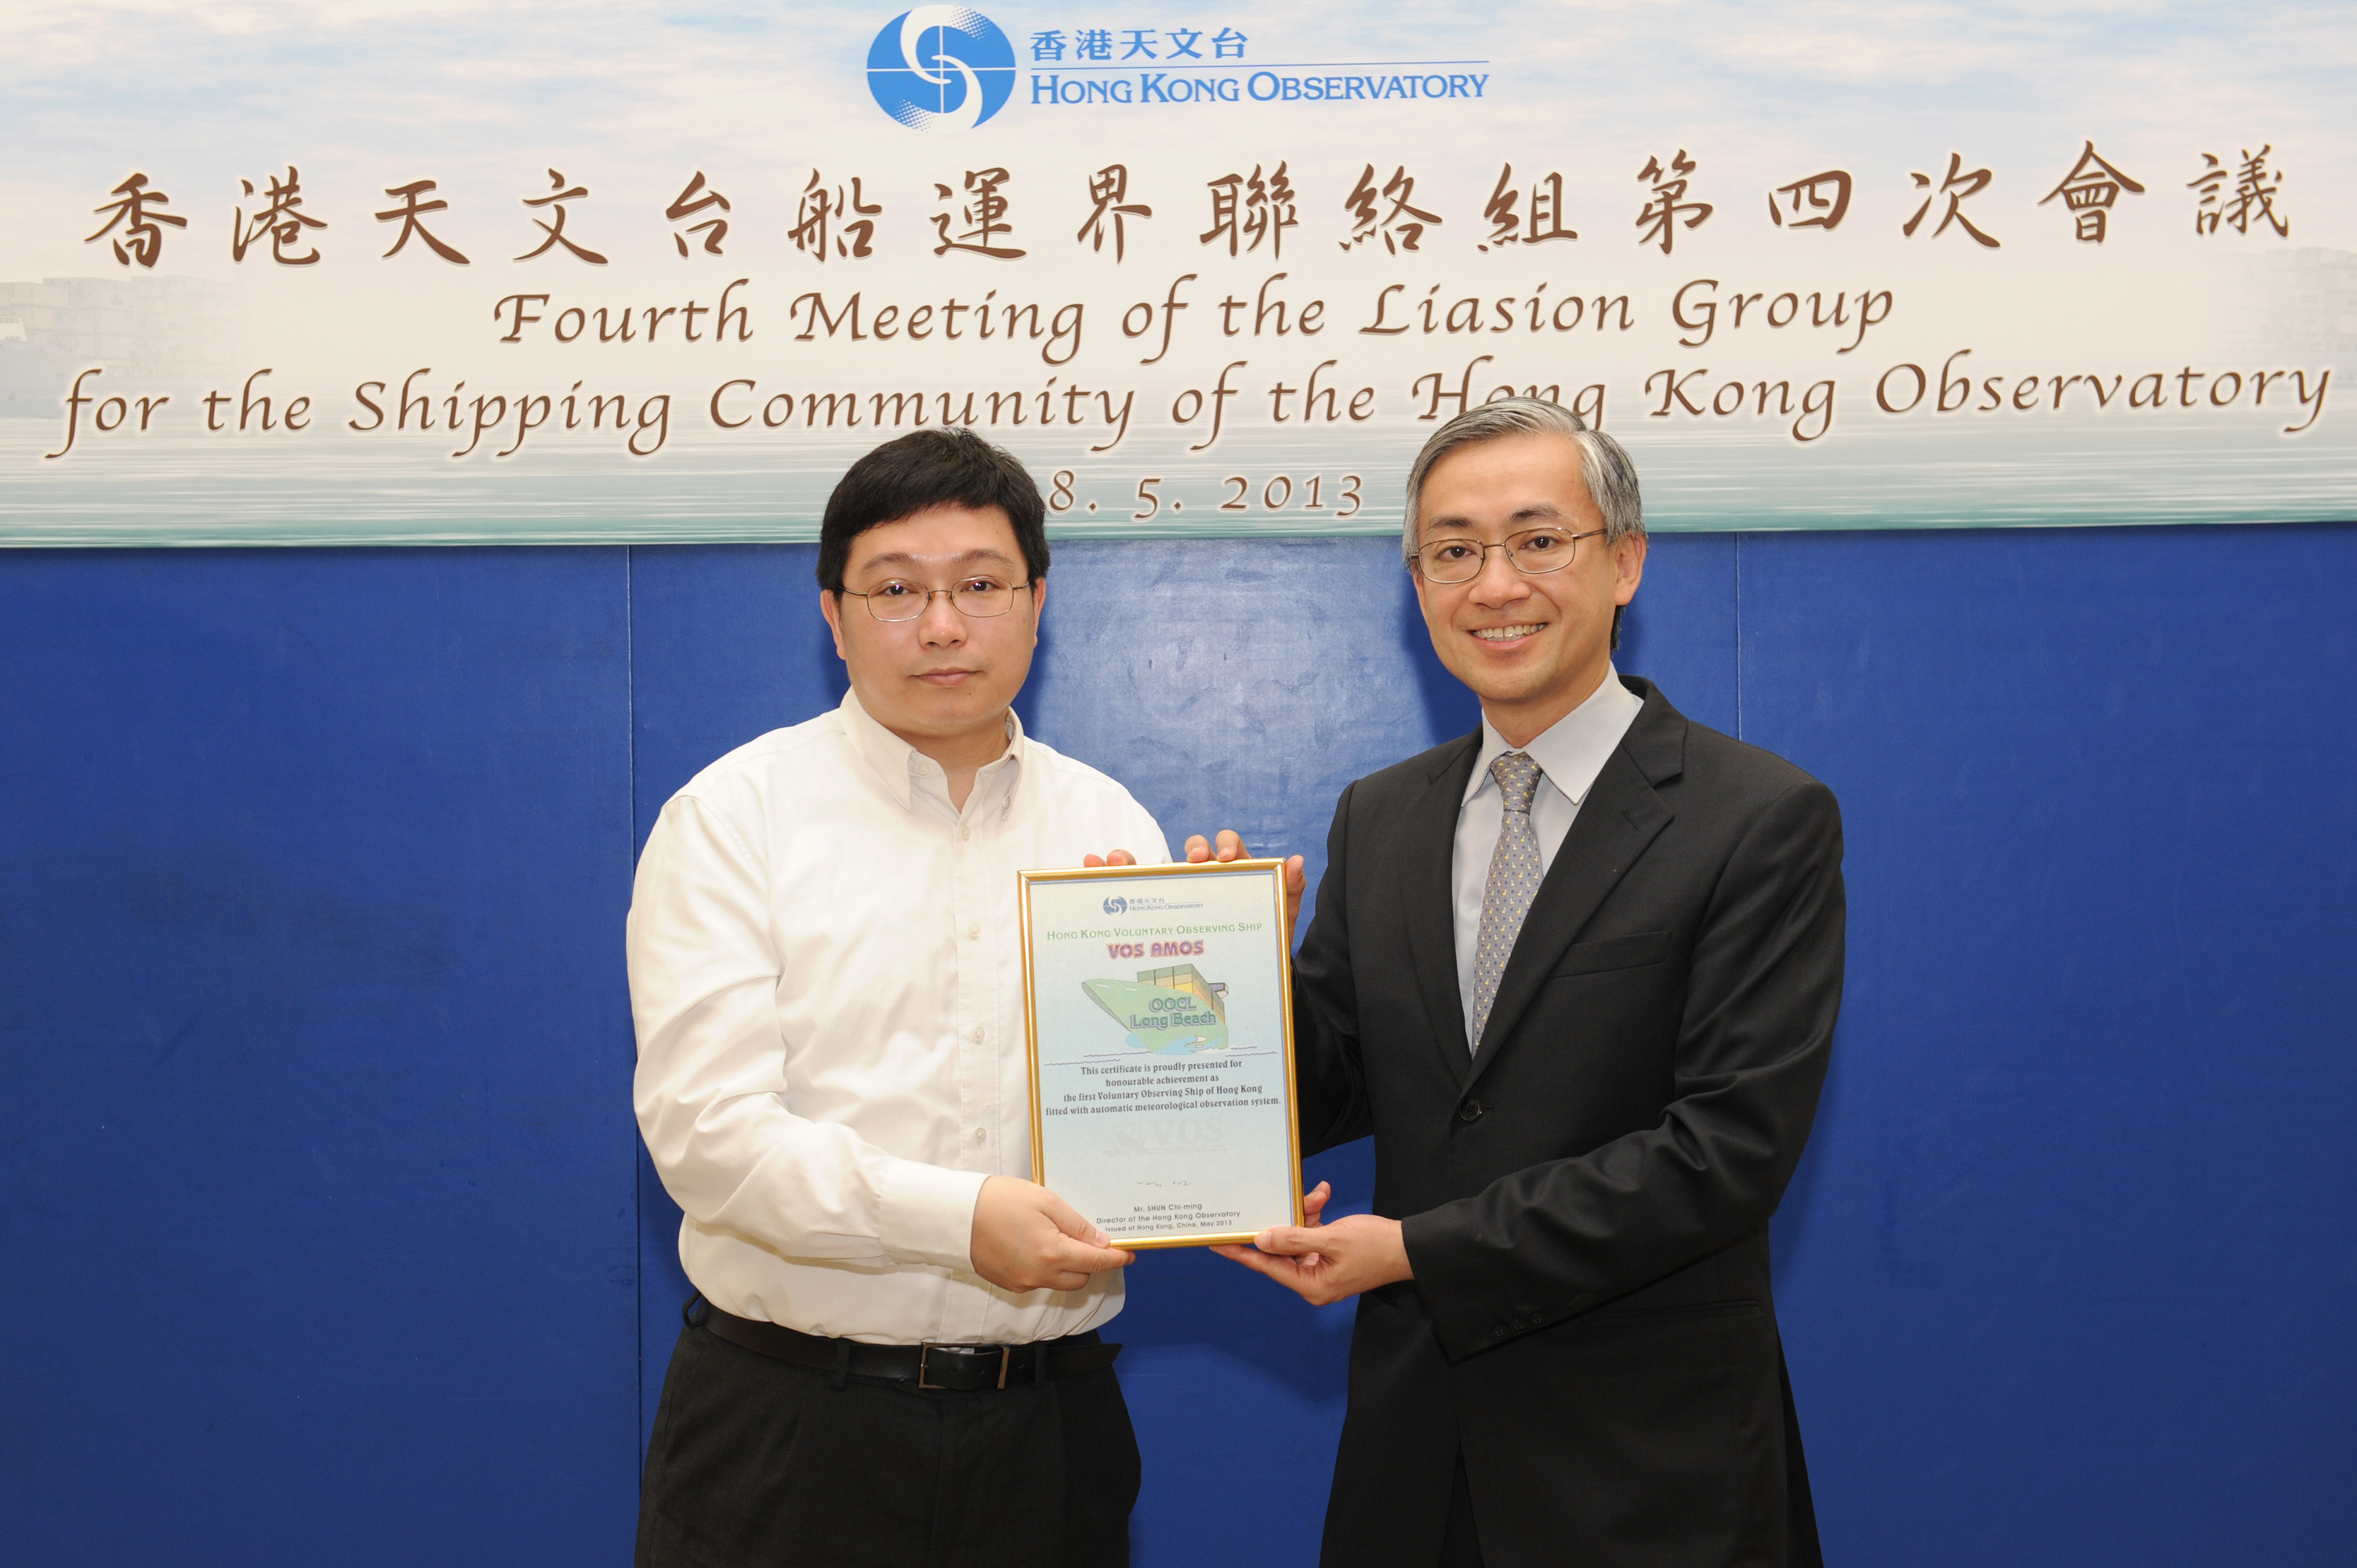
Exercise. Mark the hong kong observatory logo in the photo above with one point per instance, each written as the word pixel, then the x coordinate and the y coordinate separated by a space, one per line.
pixel 941 67
pixel 1116 906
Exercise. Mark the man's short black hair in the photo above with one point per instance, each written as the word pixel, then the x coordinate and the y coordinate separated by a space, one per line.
pixel 929 468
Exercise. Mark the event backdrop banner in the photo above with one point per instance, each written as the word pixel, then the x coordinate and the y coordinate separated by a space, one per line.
pixel 634 271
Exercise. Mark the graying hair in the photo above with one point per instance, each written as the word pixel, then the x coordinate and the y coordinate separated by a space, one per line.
pixel 1604 464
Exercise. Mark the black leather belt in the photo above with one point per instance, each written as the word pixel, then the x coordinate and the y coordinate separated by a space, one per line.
pixel 957 1369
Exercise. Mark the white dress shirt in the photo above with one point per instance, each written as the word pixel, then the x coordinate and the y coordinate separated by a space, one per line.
pixel 827 983
pixel 1570 753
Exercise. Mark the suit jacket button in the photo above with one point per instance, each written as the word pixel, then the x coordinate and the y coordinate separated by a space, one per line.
pixel 1469 1112
pixel 1497 1334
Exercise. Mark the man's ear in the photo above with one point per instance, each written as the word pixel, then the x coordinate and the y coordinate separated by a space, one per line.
pixel 830 605
pixel 1628 567
pixel 1038 606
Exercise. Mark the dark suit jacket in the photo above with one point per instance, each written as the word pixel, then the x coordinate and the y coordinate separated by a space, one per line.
pixel 1586 1199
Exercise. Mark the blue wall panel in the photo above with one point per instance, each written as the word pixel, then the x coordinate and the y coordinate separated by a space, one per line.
pixel 2068 1276
pixel 315 1223
pixel 320 1233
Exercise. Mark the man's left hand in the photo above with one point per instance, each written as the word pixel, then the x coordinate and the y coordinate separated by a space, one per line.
pixel 1118 857
pixel 1325 1263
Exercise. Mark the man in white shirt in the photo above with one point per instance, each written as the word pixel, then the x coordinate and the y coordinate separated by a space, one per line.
pixel 894 1359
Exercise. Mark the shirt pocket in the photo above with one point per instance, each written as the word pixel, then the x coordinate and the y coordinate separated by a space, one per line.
pixel 1616 953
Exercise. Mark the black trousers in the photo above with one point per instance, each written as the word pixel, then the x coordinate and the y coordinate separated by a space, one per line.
pixel 758 1464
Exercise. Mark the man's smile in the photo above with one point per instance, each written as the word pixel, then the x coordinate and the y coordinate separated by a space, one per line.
pixel 1507 633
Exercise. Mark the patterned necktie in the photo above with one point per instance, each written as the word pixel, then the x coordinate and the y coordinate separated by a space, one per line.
pixel 1514 872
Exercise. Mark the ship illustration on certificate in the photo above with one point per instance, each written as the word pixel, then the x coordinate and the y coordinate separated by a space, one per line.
pixel 1172 1010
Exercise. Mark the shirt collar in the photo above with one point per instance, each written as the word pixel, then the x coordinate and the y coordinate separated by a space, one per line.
pixel 1571 751
pixel 896 763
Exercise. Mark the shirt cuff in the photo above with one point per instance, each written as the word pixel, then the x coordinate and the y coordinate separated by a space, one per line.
pixel 925 1215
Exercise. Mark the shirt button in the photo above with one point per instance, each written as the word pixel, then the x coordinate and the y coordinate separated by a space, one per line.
pixel 977 1031
pixel 975 929
pixel 981 1135
pixel 965 831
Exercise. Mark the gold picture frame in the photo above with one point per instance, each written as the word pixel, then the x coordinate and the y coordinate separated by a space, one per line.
pixel 1132 1129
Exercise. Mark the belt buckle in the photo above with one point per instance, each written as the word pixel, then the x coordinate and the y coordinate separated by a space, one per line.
pixel 924 1354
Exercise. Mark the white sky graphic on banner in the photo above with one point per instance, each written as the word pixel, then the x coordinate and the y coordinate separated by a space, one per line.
pixel 1168 351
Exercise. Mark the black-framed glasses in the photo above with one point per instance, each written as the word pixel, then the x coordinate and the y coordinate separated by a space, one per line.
pixel 1532 553
pixel 898 599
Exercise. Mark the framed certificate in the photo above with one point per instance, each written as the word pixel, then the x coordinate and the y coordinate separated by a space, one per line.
pixel 1159 1005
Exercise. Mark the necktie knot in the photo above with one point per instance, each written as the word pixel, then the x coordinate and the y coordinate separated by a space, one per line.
pixel 1518 780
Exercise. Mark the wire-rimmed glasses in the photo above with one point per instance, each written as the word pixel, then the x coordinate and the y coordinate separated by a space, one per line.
pixel 898 599
pixel 1533 553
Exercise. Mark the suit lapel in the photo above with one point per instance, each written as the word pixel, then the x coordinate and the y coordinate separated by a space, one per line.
pixel 1618 819
pixel 1426 847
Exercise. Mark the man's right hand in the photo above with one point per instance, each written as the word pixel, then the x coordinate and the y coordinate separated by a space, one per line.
pixel 1231 846
pixel 1026 1238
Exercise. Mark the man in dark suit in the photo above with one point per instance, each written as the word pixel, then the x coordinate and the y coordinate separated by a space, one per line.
pixel 1577 974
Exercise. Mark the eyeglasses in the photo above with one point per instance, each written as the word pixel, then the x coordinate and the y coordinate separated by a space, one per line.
pixel 1533 553
pixel 978 598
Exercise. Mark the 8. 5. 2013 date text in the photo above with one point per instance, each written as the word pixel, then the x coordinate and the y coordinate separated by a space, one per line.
pixel 1337 499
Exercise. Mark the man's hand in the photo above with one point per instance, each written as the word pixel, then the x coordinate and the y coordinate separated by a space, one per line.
pixel 1026 1238
pixel 1231 846
pixel 1324 1263
pixel 1118 857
